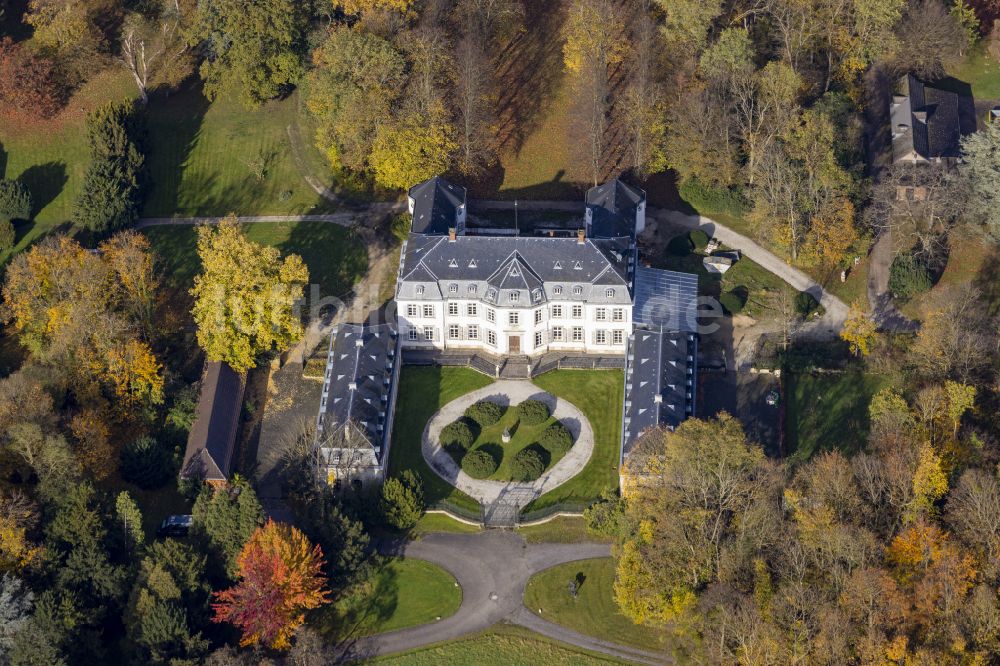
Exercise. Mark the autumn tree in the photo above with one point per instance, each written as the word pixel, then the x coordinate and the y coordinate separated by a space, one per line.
pixel 930 39
pixel 831 234
pixel 18 516
pixel 281 577
pixel 74 33
pixel 154 46
pixel 687 24
pixel 859 331
pixel 111 195
pixel 30 83
pixel 644 102
pixel 255 50
pixel 411 151
pixel 351 90
pixel 245 296
pixel 958 337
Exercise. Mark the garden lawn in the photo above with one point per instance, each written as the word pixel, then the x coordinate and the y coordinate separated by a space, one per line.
pixel 440 522
pixel 828 411
pixel 335 257
pixel 500 646
pixel 423 391
pixel 564 529
pixel 402 593
pixel 522 436
pixel 981 71
pixel 599 395
pixel 593 611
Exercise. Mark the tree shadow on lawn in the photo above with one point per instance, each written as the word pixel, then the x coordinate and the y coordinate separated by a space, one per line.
pixel 45 182
pixel 360 611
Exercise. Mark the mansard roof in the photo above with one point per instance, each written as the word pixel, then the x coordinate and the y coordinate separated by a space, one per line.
pixel 613 207
pixel 435 204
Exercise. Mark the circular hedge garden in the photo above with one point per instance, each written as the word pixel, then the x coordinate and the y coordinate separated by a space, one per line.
pixel 457 434
pixel 533 412
pixel 556 439
pixel 485 412
pixel 527 465
pixel 479 464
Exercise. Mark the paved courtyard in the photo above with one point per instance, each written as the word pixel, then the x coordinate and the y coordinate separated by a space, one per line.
pixel 507 393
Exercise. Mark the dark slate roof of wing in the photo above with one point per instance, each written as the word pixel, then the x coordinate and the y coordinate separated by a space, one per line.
pixel 932 118
pixel 660 363
pixel 435 202
pixel 666 299
pixel 613 206
pixel 209 452
pixel 358 380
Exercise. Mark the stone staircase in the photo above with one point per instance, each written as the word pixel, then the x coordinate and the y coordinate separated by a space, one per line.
pixel 516 367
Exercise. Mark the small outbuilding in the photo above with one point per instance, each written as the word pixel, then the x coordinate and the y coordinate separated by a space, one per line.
pixel 209 456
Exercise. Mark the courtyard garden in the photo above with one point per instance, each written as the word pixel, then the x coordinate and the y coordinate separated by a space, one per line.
pixel 516 443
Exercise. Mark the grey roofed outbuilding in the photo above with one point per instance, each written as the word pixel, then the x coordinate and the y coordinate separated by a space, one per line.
pixel 435 205
pixel 212 440
pixel 471 266
pixel 357 384
pixel 666 299
pixel 613 207
pixel 928 122
pixel 659 381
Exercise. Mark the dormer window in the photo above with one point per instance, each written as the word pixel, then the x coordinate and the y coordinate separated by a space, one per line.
pixel 472 288
pixel 577 290
pixel 610 293
pixel 491 295
pixel 472 263
pixel 558 266
pixel 453 263
pixel 514 296
pixel 577 266
pixel 557 291
pixel 536 295
pixel 420 290
pixel 452 288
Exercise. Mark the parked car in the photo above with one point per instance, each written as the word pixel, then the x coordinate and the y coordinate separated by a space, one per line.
pixel 174 526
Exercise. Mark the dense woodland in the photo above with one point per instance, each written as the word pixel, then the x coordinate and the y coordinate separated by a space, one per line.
pixel 886 555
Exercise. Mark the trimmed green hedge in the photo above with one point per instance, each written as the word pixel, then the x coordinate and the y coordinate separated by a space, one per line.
pixel 485 412
pixel 533 412
pixel 556 439
pixel 457 434
pixel 479 464
pixel 527 465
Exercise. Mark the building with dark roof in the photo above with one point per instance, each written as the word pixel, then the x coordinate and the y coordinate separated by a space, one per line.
pixel 615 209
pixel 437 206
pixel 354 425
pixel 209 455
pixel 928 122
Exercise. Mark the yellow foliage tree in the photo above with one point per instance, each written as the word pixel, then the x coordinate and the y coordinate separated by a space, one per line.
pixel 16 551
pixel 831 234
pixel 244 296
pixel 134 373
pixel 592 31
pixel 929 483
pixel 92 444
pixel 412 151
pixel 859 331
pixel 363 6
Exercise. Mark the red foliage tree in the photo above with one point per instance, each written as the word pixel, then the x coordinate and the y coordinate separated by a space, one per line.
pixel 29 84
pixel 280 578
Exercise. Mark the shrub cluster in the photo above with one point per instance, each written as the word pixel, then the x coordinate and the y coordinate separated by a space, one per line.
pixel 479 464
pixel 556 439
pixel 527 465
pixel 146 463
pixel 457 434
pixel 484 412
pixel 532 412
pixel 909 276
pixel 401 500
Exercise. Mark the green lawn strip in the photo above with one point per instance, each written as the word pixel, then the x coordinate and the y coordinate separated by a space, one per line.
pixel 503 645
pixel 828 411
pixel 598 394
pixel 981 71
pixel 593 611
pixel 334 256
pixel 563 529
pixel 855 288
pixel 422 391
pixel 402 593
pixel 440 522
pixel 522 436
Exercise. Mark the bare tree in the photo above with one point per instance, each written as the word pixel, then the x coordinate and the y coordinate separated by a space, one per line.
pixel 473 81
pixel 428 51
pixel 930 39
pixel 154 50
pixel 643 105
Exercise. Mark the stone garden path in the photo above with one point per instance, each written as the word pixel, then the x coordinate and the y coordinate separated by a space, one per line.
pixel 509 392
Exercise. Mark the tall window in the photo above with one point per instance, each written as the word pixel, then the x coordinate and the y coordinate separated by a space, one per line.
pixel 513 318
pixel 491 337
pixel 429 333
pixel 473 332
pixel 577 334
pixel 601 314
pixel 618 314
pixel 538 316
pixel 577 312
pixel 453 309
pixel 600 337
pixel 428 310
pixel 539 338
pixel 412 310
pixel 557 312
pixel 454 332
pixel 617 337
pixel 557 334
pixel 413 334
pixel 471 310
pixel 491 314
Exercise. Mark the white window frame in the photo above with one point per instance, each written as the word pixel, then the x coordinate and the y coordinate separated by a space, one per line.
pixel 610 293
pixel 601 314
pixel 491 315
pixel 453 309
pixel 557 334
pixel 539 339
pixel 452 288
pixel 617 337
pixel 577 334
pixel 538 316
pixel 557 290
pixel 557 312
pixel 413 334
pixel 428 311
pixel 577 290
pixel 429 333
pixel 473 332
pixel 514 296
pixel 600 337
pixel 618 314
pixel 412 310
pixel 454 332
pixel 491 338
pixel 514 318
pixel 577 312
pixel 471 310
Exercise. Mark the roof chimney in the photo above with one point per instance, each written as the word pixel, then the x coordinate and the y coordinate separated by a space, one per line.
pixel 452 234
pixel 580 235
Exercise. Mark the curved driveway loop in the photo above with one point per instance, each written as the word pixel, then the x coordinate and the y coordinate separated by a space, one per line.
pixel 507 393
pixel 493 568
